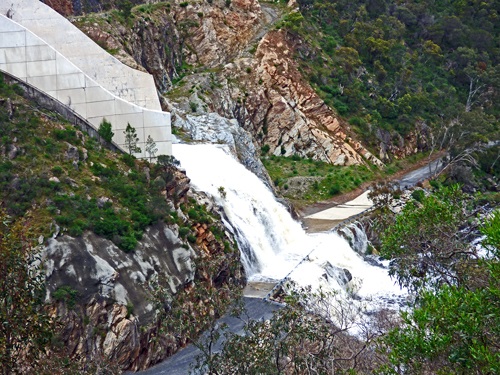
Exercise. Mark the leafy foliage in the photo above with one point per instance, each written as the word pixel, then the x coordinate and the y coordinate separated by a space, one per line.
pixel 294 341
pixel 389 66
pixel 454 330
pixel 105 130
pixel 426 243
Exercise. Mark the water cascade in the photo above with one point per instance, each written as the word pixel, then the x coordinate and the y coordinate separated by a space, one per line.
pixel 272 243
pixel 356 236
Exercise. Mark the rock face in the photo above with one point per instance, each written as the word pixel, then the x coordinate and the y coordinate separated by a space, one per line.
pixel 284 110
pixel 113 293
pixel 113 274
pixel 264 91
pixel 114 304
pixel 392 145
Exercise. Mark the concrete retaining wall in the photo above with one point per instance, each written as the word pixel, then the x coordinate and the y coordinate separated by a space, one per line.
pixel 48 102
pixel 31 59
pixel 121 80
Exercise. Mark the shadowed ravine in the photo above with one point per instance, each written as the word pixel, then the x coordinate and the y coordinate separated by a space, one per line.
pixel 182 362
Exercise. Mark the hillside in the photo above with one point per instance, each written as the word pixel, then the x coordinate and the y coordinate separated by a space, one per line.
pixel 344 84
pixel 125 243
pixel 316 98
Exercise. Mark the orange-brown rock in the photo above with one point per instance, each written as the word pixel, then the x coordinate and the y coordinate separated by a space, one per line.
pixel 282 107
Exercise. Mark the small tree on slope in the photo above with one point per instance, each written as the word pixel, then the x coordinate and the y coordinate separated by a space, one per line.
pixel 131 139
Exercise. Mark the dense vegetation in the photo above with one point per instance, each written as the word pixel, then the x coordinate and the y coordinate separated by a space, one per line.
pixel 453 327
pixel 392 66
pixel 56 172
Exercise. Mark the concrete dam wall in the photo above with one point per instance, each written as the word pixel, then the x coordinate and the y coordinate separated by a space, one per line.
pixel 72 69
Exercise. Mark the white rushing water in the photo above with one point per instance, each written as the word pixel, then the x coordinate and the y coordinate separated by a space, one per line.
pixel 272 242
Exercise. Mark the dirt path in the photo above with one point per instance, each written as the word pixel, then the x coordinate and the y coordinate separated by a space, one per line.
pixel 349 196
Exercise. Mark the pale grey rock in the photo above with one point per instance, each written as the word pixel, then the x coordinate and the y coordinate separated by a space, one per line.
pixel 101 201
pixel 214 128
pixel 71 152
pixel 13 152
pixel 114 275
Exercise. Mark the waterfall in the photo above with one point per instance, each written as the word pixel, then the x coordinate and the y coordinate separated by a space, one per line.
pixel 356 236
pixel 272 243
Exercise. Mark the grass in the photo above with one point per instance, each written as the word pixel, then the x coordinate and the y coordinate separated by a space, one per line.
pixel 306 181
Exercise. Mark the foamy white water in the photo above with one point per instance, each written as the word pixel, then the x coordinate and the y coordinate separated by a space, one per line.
pixel 272 243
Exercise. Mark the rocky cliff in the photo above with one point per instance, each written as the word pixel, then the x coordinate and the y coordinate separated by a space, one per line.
pixel 106 299
pixel 126 245
pixel 229 61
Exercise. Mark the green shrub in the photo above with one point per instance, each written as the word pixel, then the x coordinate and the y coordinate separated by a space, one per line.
pixel 105 130
pixel 68 134
pixel 128 159
pixel 193 214
pixel 334 189
pixel 57 170
pixel 418 195
pixel 66 294
pixel 193 106
pixel 128 243
pixel 183 231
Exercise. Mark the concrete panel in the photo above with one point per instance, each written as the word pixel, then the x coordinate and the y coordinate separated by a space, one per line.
pixel 119 137
pixel 121 132
pixel 96 121
pixel 158 134
pixel 70 81
pixel 12 39
pixel 134 119
pixel 104 108
pixel 83 52
pixel 45 83
pixel 122 106
pixel 41 68
pixel 16 69
pixel 63 66
pixel 152 119
pixel 96 94
pixel 13 55
pixel 37 53
pixel 90 82
pixel 80 108
pixel 7 27
pixel 72 96
pixel 33 40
